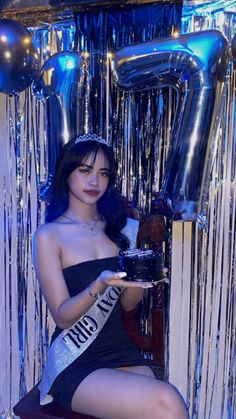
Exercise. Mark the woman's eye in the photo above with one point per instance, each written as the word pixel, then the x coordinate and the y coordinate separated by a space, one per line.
pixel 105 174
pixel 83 170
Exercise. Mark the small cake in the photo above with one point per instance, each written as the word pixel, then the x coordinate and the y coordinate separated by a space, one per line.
pixel 141 265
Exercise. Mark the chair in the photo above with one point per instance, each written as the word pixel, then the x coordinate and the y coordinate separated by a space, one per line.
pixel 29 408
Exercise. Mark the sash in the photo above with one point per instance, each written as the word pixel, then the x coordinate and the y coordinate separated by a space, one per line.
pixel 72 342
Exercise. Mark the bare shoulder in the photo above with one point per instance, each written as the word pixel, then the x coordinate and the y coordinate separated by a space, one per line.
pixel 46 232
pixel 46 243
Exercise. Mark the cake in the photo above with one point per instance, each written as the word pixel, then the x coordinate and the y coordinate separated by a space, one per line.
pixel 141 265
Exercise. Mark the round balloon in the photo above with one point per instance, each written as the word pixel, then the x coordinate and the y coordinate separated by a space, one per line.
pixel 18 57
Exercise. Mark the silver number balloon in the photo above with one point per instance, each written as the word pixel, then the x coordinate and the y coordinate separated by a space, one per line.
pixel 59 85
pixel 194 65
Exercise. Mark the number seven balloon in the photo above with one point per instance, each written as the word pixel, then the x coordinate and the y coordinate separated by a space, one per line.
pixel 194 65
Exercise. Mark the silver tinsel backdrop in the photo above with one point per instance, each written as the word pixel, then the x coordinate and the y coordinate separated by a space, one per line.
pixel 200 336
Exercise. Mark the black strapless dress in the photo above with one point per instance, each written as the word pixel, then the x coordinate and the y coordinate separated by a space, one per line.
pixel 111 349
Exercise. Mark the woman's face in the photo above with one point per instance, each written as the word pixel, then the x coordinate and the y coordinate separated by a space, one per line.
pixel 89 181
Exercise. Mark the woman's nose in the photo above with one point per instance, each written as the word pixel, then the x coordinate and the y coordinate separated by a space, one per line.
pixel 93 180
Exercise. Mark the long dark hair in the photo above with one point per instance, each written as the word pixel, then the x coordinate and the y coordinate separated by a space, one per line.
pixel 109 205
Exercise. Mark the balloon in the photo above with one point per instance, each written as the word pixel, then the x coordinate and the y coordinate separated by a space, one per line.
pixel 18 57
pixel 58 86
pixel 194 65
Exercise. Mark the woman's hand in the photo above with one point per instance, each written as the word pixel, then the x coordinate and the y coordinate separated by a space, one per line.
pixel 133 294
pixel 115 279
pixel 164 277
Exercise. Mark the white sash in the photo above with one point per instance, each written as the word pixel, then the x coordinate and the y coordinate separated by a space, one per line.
pixel 72 342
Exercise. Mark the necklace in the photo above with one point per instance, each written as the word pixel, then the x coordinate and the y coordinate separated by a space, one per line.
pixel 81 224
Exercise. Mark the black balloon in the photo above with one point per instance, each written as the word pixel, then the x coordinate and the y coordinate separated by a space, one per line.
pixel 18 57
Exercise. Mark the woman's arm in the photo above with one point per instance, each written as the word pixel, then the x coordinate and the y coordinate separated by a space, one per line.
pixel 64 309
pixel 131 297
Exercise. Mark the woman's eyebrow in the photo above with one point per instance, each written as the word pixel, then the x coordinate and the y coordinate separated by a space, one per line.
pixel 88 166
pixel 85 165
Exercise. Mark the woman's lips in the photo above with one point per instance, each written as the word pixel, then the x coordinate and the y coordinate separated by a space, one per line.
pixel 92 192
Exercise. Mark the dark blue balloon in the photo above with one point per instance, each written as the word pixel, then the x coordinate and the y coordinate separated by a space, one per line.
pixel 18 57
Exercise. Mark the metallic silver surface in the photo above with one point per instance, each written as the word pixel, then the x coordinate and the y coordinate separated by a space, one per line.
pixel 59 86
pixel 194 65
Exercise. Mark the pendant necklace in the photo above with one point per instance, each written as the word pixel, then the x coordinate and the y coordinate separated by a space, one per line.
pixel 90 228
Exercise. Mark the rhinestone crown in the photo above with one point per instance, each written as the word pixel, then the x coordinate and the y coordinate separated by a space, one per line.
pixel 90 137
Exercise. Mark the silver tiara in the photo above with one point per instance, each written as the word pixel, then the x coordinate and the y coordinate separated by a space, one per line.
pixel 90 137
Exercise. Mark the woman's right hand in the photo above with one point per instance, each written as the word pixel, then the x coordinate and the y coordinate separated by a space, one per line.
pixel 115 279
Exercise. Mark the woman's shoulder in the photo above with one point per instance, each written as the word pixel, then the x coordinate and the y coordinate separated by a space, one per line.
pixel 46 231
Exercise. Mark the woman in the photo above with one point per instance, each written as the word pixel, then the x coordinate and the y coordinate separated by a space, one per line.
pixel 92 366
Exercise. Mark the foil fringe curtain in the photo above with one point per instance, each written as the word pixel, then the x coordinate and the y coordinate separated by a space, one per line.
pixel 25 326
pixel 202 317
pixel 202 304
pixel 201 347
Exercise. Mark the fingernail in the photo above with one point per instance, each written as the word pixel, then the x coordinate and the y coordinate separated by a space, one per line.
pixel 122 274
